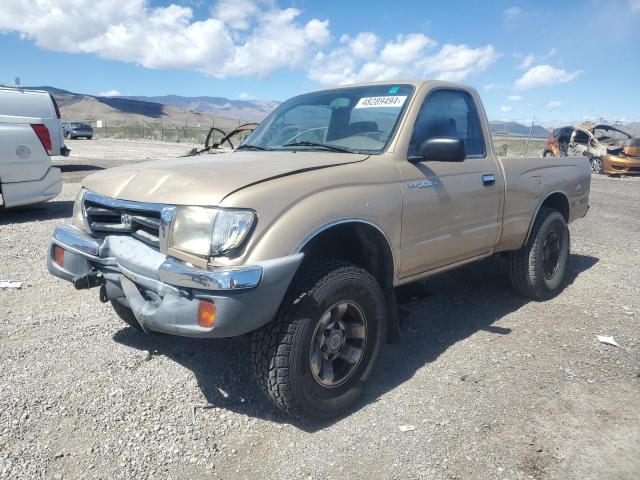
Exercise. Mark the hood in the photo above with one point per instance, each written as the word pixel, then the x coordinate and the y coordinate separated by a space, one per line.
pixel 207 179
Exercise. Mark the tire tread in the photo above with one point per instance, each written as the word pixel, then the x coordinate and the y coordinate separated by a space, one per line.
pixel 272 345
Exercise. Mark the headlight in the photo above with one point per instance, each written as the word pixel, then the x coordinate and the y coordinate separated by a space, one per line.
pixel 210 231
pixel 77 218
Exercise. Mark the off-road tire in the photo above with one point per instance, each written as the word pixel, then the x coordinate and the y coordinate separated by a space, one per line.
pixel 125 314
pixel 526 270
pixel 280 350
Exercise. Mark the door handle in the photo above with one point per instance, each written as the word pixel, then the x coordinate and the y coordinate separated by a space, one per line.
pixel 488 179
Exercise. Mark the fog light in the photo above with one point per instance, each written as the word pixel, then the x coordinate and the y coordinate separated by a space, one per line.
pixel 206 313
pixel 58 255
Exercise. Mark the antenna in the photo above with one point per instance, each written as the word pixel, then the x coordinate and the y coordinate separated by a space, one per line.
pixel 529 137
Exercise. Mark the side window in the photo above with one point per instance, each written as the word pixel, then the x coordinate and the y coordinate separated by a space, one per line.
pixel 449 113
pixel 581 137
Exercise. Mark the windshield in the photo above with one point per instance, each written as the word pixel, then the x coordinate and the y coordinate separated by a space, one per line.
pixel 354 119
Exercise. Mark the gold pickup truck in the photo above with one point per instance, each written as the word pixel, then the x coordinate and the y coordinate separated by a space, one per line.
pixel 300 236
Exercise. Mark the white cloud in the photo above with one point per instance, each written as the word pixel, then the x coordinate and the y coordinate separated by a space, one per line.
pixel 505 109
pixel 493 86
pixel 244 96
pixel 237 38
pixel 635 5
pixel 530 59
pixel 235 13
pixel 364 58
pixel 554 104
pixel 515 98
pixel 110 93
pixel 544 75
pixel 527 61
pixel 511 14
pixel 169 37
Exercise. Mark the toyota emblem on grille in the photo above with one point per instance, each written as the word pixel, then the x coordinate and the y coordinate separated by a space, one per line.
pixel 125 219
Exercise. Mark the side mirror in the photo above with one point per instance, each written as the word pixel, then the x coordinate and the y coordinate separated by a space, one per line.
pixel 441 149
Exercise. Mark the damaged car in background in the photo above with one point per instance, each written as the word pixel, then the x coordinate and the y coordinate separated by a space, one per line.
pixel 225 144
pixel 610 150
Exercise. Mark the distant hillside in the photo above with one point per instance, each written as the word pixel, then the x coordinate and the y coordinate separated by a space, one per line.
pixel 249 109
pixel 176 110
pixel 632 129
pixel 516 129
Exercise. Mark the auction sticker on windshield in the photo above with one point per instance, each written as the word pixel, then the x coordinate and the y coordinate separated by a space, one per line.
pixel 374 102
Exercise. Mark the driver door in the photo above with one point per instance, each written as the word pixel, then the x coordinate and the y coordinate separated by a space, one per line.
pixel 450 209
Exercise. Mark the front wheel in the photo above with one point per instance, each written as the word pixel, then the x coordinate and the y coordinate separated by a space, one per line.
pixel 537 270
pixel 315 357
pixel 596 165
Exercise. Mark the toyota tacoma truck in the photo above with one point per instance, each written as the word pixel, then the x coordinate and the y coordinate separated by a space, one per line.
pixel 300 236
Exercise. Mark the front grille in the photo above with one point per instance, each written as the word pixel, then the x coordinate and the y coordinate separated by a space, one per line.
pixel 107 216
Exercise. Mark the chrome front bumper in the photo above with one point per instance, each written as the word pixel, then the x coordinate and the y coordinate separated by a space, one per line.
pixel 164 292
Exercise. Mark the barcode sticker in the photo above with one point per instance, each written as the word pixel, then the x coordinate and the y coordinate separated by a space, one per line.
pixel 376 102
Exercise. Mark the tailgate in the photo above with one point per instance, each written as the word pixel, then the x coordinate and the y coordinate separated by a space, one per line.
pixel 22 156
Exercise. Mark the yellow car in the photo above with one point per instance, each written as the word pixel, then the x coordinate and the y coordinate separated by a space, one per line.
pixel 610 150
pixel 622 161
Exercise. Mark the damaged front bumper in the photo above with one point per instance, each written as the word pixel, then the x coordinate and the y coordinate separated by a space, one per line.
pixel 164 293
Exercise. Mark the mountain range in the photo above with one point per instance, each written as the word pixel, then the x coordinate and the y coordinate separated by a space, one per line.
pixel 516 129
pixel 171 109
pixel 254 110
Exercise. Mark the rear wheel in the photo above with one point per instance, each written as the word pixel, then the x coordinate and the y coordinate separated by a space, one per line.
pixel 596 165
pixel 315 357
pixel 547 154
pixel 125 314
pixel 537 270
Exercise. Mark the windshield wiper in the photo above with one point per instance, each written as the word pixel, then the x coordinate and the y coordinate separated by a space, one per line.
pixel 253 147
pixel 314 144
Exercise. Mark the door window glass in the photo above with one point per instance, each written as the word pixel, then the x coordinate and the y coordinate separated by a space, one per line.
pixel 452 114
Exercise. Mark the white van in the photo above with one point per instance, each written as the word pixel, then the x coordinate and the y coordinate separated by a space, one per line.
pixel 30 133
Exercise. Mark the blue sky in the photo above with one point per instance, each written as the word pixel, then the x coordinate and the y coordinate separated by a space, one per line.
pixel 560 61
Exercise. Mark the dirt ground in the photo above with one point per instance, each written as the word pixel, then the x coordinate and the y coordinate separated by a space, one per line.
pixel 494 386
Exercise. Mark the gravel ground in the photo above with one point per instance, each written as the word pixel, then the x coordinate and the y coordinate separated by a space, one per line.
pixel 494 386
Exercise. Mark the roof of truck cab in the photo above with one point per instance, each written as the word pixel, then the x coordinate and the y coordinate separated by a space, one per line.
pixel 414 83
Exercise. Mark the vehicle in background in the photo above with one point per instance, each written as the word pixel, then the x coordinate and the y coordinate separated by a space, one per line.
pixel 609 149
pixel 30 133
pixel 73 130
pixel 225 144
pixel 300 235
pixel 558 142
pixel 623 160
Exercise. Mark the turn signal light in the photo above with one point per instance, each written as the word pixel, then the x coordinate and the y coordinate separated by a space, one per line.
pixel 206 313
pixel 58 255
